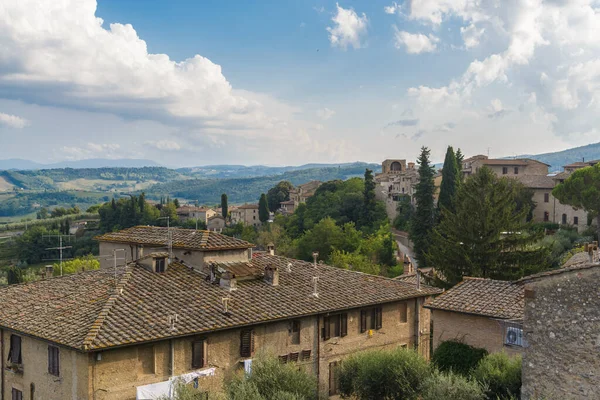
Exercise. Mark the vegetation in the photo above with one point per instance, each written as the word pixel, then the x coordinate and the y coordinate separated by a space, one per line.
pixel 450 181
pixel 451 386
pixel 125 213
pixel 457 357
pixel 183 391
pixel 369 209
pixel 582 190
pixel 224 206
pixel 501 375
pixel 26 203
pixel 278 193
pixel 263 209
pixel 405 211
pixel 85 263
pixel 271 380
pixel 424 216
pixel 486 236
pixel 385 374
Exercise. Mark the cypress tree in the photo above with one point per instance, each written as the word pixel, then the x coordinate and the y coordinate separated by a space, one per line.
pixel 486 235
pixel 224 207
pixel 449 184
pixel 459 166
pixel 263 209
pixel 369 202
pixel 423 218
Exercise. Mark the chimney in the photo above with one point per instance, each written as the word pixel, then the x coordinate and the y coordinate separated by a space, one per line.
pixel 228 281
pixel 315 280
pixel 49 271
pixel 272 275
pixel 271 248
pixel 315 255
pixel 418 279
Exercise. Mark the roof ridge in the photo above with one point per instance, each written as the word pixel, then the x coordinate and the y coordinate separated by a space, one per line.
pixel 99 322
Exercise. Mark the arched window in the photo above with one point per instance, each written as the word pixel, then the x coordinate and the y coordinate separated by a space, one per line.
pixel 396 166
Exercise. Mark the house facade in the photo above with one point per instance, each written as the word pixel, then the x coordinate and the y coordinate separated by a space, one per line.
pixel 129 332
pixel 187 213
pixel 483 313
pixel 303 192
pixel 216 223
pixel 504 167
pixel 397 179
pixel 247 214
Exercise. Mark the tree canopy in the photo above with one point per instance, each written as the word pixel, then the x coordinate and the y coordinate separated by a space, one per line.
pixel 423 219
pixel 450 180
pixel 278 193
pixel 224 206
pixel 263 209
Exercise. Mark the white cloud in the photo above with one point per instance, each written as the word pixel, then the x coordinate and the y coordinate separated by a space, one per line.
pixel 325 113
pixel 93 150
pixel 471 35
pixel 392 9
pixel 348 28
pixel 415 43
pixel 13 121
pixel 164 144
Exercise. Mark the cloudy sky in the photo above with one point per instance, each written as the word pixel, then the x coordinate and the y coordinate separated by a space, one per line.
pixel 290 82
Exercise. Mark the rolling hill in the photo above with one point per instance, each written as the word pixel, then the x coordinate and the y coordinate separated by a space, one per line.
pixel 560 158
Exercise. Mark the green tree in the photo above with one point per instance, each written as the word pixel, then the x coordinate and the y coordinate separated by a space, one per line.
pixel 32 245
pixel 424 216
pixel 263 209
pixel 176 203
pixel 354 261
pixel 486 236
pixel 396 374
pixel 325 237
pixel 459 357
pixel 450 181
pixel 459 164
pixel 582 190
pixel 14 275
pixel 85 263
pixel 501 375
pixel 451 386
pixel 43 213
pixel 405 211
pixel 278 193
pixel 224 206
pixel 369 201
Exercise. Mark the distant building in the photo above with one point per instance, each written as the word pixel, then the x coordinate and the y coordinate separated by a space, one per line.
pixel 187 213
pixel 247 214
pixel 287 207
pixel 505 167
pixel 396 180
pixel 216 223
pixel 301 193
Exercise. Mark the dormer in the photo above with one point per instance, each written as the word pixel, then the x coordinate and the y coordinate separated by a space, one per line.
pixel 155 262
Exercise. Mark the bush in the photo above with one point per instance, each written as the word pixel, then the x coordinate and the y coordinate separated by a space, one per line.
pixel 451 386
pixel 373 375
pixel 272 380
pixel 458 357
pixel 501 374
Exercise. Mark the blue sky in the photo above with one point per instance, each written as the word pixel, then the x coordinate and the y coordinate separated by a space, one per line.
pixel 281 82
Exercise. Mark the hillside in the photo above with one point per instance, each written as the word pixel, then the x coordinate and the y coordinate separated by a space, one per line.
pixel 240 190
pixel 21 164
pixel 560 158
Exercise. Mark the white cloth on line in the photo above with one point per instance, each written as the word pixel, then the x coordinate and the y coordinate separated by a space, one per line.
pixel 166 388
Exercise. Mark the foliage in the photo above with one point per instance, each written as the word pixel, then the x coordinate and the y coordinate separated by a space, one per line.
pixel 278 193
pixel 501 375
pixel 60 211
pixel 450 179
pixel 458 357
pixel 354 261
pixel 27 202
pixel 125 213
pixel 486 236
pixel 263 209
pixel 369 207
pixel 43 213
pixel 561 243
pixel 272 380
pixel 383 374
pixel 224 206
pixel 79 264
pixel 241 231
pixel 582 190
pixel 326 236
pixel 405 211
pixel 182 391
pixel 451 386
pixel 32 245
pixel 275 233
pixel 14 275
pixel 424 216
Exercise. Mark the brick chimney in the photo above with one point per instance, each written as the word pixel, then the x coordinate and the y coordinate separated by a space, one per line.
pixel 49 271
pixel 271 248
pixel 228 281
pixel 272 275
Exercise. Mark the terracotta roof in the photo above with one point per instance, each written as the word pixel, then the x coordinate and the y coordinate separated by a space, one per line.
pixel 182 238
pixel 288 202
pixel 571 268
pixel 486 297
pixel 561 175
pixel 248 206
pixel 517 161
pixel 216 216
pixel 537 181
pixel 410 278
pixel 91 310
pixel 582 164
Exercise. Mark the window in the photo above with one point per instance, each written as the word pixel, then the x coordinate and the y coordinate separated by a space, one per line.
pixel 14 355
pixel 335 325
pixel 403 313
pixel 516 170
pixel 334 382
pixel 53 361
pixel 247 343
pixel 575 220
pixel 546 197
pixel 370 318
pixel 546 216
pixel 159 264
pixel 305 355
pixel 199 353
pixel 254 217
pixel 295 332
pixel 17 394
pixel 504 170
pixel 564 218
pixel 32 390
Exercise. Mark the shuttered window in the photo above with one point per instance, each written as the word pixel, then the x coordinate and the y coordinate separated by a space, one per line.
pixel 295 332
pixel 403 313
pixel 343 325
pixel 53 361
pixel 370 318
pixel 247 343
pixel 334 385
pixel 17 394
pixel 378 317
pixel 199 353
pixel 14 355
pixel 335 326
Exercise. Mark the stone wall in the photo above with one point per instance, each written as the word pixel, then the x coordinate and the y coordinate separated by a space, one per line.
pixel 562 327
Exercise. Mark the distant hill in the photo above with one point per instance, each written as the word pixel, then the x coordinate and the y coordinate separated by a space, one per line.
pixel 560 158
pixel 20 164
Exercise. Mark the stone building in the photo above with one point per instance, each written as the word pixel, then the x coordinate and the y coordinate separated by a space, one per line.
pixel 186 213
pixel 483 313
pixel 287 207
pixel 397 179
pixel 505 167
pixel 562 328
pixel 129 332
pixel 301 193
pixel 247 214
pixel 216 223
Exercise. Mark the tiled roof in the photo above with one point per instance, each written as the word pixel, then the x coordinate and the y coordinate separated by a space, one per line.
pixel 537 181
pixel 571 268
pixel 91 310
pixel 487 297
pixel 248 206
pixel 561 175
pixel 182 238
pixel 288 202
pixel 517 161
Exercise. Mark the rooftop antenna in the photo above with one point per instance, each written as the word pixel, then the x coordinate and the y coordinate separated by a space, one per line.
pixel 226 301
pixel 169 237
pixel 315 286
pixel 60 248
pixel 315 255
pixel 289 267
pixel 172 321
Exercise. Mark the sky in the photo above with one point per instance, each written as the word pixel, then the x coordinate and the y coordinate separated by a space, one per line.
pixel 186 83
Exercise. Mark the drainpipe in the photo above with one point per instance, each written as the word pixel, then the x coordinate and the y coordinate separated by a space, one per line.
pixel 2 361
pixel 318 352
pixel 417 312
pixel 172 358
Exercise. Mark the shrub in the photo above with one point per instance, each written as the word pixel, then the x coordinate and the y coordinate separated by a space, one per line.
pixel 373 375
pixel 501 374
pixel 457 356
pixel 451 386
pixel 272 380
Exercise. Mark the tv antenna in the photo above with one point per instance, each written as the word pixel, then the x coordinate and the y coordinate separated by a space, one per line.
pixel 169 237
pixel 60 248
pixel 114 257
